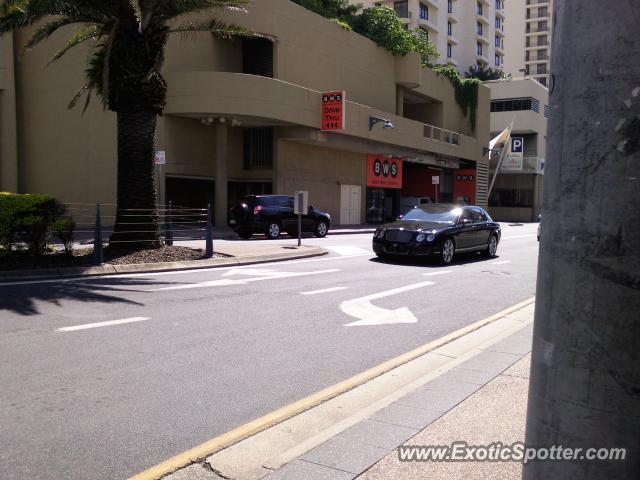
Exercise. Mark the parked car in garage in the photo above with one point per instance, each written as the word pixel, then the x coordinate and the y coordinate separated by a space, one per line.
pixel 439 229
pixel 272 215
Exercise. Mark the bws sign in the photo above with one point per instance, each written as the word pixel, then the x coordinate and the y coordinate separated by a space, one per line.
pixel 384 172
pixel 333 111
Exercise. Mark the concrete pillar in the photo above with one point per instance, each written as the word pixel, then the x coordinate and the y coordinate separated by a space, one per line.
pixel 585 375
pixel 8 120
pixel 222 162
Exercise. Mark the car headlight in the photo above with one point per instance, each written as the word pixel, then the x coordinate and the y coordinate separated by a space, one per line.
pixel 421 237
pixel 380 234
pixel 431 237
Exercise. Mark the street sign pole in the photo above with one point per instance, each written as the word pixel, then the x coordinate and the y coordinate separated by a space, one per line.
pixel 300 207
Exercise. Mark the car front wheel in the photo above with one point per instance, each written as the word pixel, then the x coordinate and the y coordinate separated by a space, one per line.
pixel 273 230
pixel 321 229
pixel 448 250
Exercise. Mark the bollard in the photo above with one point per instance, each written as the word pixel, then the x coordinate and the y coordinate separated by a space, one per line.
pixel 168 238
pixel 209 235
pixel 98 258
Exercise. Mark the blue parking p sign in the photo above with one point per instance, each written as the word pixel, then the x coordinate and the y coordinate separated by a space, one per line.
pixel 517 145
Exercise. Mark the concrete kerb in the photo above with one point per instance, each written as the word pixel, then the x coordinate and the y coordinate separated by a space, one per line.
pixel 43 274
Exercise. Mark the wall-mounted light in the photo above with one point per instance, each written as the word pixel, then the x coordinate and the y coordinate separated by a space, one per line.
pixel 373 121
pixel 207 121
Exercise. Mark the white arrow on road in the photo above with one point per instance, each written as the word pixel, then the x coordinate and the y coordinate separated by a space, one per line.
pixel 369 314
pixel 227 281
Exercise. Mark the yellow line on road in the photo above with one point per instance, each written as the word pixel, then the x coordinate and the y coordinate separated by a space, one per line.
pixel 236 435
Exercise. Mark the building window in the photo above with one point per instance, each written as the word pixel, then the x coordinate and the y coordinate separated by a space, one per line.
pixel 449 28
pixel 497 42
pixel 424 12
pixel 479 8
pixel 450 6
pixel 542 69
pixel 497 60
pixel 257 149
pixel 402 8
pixel 257 57
pixel 479 48
pixel 449 50
pixel 515 105
pixel 498 23
pixel 479 28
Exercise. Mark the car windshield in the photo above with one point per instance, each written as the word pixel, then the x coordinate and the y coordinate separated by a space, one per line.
pixel 434 213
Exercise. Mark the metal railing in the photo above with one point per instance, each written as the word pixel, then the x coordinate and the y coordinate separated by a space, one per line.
pixel 441 135
pixel 162 225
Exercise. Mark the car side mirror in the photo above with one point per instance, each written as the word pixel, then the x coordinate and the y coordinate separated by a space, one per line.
pixel 465 221
pixel 399 217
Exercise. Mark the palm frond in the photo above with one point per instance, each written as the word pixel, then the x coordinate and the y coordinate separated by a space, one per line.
pixel 219 29
pixel 167 10
pixel 80 36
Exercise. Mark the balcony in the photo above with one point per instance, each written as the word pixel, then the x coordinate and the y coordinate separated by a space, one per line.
pixel 452 17
pixel 433 3
pixel 483 39
pixel 537 30
pixel 481 58
pixel 500 32
pixel 452 40
pixel 538 3
pixel 532 17
pixel 426 24
pixel 482 19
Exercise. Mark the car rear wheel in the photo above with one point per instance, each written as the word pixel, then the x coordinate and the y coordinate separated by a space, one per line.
pixel 321 229
pixel 492 248
pixel 273 230
pixel 448 251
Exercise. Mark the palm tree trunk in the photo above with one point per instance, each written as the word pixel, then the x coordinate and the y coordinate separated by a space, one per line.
pixel 136 225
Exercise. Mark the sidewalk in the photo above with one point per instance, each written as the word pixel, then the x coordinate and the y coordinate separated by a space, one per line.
pixel 472 389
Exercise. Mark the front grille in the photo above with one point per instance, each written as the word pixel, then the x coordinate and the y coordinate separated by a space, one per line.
pixel 399 236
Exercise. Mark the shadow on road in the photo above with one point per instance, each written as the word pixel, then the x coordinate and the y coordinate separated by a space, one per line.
pixel 23 299
pixel 433 262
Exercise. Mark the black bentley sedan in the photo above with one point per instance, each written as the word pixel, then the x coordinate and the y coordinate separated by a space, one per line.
pixel 438 229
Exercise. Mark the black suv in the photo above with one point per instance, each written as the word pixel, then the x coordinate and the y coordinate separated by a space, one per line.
pixel 273 214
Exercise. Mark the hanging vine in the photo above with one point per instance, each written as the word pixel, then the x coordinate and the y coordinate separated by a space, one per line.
pixel 466 91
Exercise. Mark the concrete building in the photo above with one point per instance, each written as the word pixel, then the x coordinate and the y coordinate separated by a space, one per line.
pixel 244 116
pixel 528 45
pixel 517 192
pixel 466 32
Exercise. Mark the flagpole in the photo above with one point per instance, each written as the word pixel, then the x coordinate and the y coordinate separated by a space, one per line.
pixel 501 159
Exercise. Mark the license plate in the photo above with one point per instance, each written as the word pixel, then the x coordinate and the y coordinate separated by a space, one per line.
pixel 232 222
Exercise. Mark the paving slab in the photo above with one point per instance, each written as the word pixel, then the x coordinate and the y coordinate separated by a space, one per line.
pixel 302 470
pixel 342 454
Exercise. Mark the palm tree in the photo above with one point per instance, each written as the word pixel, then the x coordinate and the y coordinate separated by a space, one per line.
pixel 127 40
pixel 483 73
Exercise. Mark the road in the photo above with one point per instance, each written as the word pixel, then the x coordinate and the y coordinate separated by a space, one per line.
pixel 195 354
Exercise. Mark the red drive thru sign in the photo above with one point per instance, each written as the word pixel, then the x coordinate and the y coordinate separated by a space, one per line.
pixel 333 110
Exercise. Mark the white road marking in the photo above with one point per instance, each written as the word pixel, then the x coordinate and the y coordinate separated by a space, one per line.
pixel 348 250
pixel 501 263
pixel 369 314
pixel 224 282
pixel 249 271
pixel 324 290
pixel 439 272
pixel 102 324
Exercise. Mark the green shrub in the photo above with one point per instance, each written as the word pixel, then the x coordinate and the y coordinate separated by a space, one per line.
pixel 64 229
pixel 28 219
